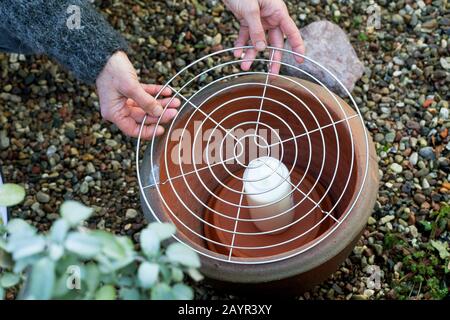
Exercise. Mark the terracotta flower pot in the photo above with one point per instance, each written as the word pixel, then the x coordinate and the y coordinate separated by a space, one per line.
pixel 334 167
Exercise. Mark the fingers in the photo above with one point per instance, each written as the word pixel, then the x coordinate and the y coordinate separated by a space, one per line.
pixel 166 102
pixel 139 115
pixel 144 99
pixel 294 37
pixel 131 128
pixel 276 39
pixel 149 132
pixel 129 119
pixel 169 102
pixel 256 29
pixel 250 55
pixel 154 89
pixel 241 41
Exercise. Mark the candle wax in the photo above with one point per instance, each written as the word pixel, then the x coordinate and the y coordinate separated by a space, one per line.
pixel 267 185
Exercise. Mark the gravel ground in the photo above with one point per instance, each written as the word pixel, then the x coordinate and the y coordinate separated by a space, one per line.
pixel 53 141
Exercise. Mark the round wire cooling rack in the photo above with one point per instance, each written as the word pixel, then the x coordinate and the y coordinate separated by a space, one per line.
pixel 303 190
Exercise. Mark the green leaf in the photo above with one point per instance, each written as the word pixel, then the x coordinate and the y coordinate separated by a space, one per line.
pixel 26 247
pixel 180 253
pixel 74 212
pixel 55 251
pixel 9 280
pixel 67 262
pixel 19 226
pixel 59 230
pixel 149 242
pixel 129 294
pixel 107 292
pixel 441 247
pixel 21 264
pixel 83 244
pixel 426 225
pixel 42 280
pixel 177 274
pixel 363 37
pixel 60 289
pixel 2 293
pixel 11 194
pixel 114 247
pixel 5 260
pixel 125 281
pixel 110 246
pixel 118 252
pixel 162 230
pixel 195 274
pixel 148 274
pixel 165 272
pixel 161 291
pixel 182 292
pixel 92 277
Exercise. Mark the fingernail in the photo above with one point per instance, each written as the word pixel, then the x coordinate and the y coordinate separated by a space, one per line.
pixel 260 45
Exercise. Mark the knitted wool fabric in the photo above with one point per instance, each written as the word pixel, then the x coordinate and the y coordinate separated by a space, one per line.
pixel 45 26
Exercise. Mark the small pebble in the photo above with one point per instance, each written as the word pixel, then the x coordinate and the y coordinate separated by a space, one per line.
pixel 42 197
pixel 395 167
pixel 131 214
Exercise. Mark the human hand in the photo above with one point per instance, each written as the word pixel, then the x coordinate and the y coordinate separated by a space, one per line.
pixel 125 101
pixel 258 16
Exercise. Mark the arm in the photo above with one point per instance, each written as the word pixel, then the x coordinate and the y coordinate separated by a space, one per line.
pixel 94 53
pixel 258 17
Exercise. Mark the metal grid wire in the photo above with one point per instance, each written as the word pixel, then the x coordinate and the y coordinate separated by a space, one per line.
pixel 219 64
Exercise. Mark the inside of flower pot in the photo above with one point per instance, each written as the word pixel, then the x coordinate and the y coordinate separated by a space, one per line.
pixel 318 147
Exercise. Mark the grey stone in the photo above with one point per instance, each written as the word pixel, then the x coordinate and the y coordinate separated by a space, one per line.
pixel 443 114
pixel 4 140
pixel 413 231
pixel 111 142
pixel 398 61
pixel 387 219
pixel 419 198
pixel 379 137
pixel 328 45
pixel 413 158
pixel 397 19
pixel 390 137
pixel 425 184
pixel 180 62
pixel 131 214
pixel 84 188
pixel 445 63
pixel 42 197
pixel 427 153
pixel 51 151
pixel 90 168
pixel 395 167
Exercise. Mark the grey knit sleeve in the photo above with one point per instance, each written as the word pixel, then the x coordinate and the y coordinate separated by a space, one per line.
pixel 70 31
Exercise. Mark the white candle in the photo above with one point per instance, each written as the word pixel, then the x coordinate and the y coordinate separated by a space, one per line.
pixel 267 184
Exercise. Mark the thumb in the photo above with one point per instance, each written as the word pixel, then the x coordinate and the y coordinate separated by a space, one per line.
pixel 143 99
pixel 257 34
